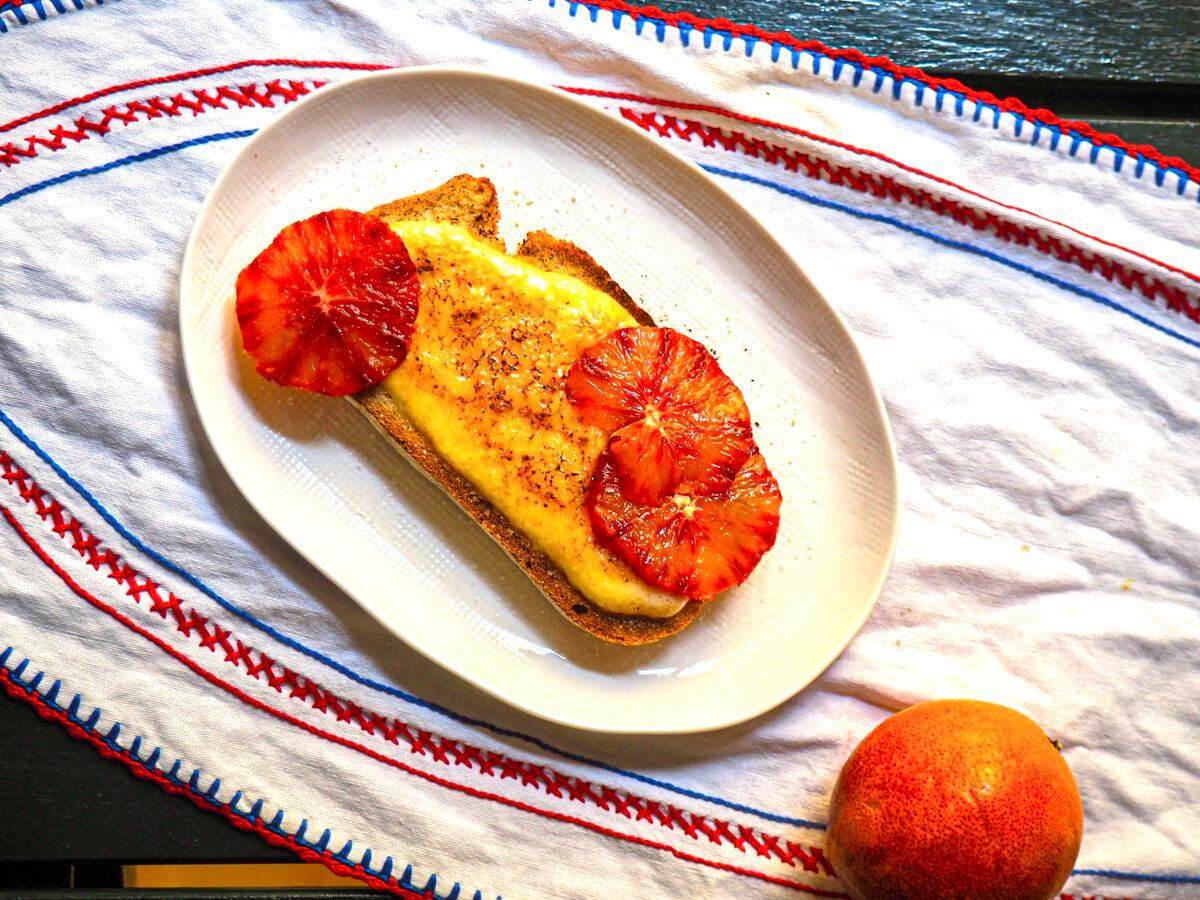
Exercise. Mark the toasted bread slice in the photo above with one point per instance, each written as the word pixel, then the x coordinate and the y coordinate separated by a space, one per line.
pixel 471 203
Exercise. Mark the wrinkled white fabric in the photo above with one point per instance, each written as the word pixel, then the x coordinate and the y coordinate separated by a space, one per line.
pixel 1046 420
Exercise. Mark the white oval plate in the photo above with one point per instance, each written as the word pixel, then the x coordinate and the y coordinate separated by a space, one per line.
pixel 691 255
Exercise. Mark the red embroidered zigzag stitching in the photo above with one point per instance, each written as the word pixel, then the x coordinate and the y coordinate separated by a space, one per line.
pixel 184 76
pixel 1042 115
pixel 76 731
pixel 141 771
pixel 872 154
pixel 208 676
pixel 299 849
pixel 421 742
pixel 882 63
pixel 201 101
pixel 879 185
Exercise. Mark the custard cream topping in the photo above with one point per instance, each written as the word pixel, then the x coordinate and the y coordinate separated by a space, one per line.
pixel 484 381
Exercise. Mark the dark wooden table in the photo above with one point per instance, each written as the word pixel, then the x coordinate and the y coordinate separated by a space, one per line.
pixel 1132 68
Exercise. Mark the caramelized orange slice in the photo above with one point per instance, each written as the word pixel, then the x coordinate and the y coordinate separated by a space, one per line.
pixel 691 545
pixel 679 423
pixel 330 305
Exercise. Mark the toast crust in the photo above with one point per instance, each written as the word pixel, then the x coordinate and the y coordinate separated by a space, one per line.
pixel 471 203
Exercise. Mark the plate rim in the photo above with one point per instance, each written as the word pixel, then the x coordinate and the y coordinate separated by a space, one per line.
pixel 894 510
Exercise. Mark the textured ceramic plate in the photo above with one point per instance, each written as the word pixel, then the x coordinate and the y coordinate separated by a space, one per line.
pixel 332 487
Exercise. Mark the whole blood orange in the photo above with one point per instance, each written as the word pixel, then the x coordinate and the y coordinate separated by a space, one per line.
pixel 955 799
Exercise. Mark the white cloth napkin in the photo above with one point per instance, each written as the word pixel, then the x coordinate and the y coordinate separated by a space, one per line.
pixel 1021 291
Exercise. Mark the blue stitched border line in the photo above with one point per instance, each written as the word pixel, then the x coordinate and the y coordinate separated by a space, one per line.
pixel 123 161
pixel 342 857
pixel 1136 876
pixel 920 88
pixel 321 845
pixel 42 9
pixel 192 785
pixel 837 66
pixel 957 245
pixel 437 708
pixel 364 680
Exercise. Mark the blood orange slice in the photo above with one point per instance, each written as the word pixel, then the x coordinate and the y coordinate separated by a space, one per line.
pixel 691 545
pixel 330 305
pixel 679 423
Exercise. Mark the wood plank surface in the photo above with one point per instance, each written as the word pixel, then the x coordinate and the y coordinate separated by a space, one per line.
pixel 66 803
pixel 1131 40
pixel 1180 139
pixel 1129 68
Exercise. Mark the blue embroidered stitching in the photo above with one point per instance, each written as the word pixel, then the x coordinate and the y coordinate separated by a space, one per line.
pixel 209 795
pixel 192 784
pixel 362 679
pixel 123 161
pixel 542 778
pixel 39 7
pixel 958 245
pixel 1139 876
pixel 919 89
pixel 837 66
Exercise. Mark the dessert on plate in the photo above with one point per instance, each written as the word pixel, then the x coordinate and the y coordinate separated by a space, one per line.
pixel 614 461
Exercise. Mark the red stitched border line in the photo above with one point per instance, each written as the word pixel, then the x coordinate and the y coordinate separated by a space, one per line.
pixel 812 859
pixel 202 100
pixel 879 185
pixel 212 636
pixel 882 63
pixel 783 38
pixel 90 598
pixel 874 154
pixel 306 853
pixel 184 76
pixel 139 769
pixel 263 95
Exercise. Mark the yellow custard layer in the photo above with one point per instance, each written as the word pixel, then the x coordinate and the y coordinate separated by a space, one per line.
pixel 484 382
